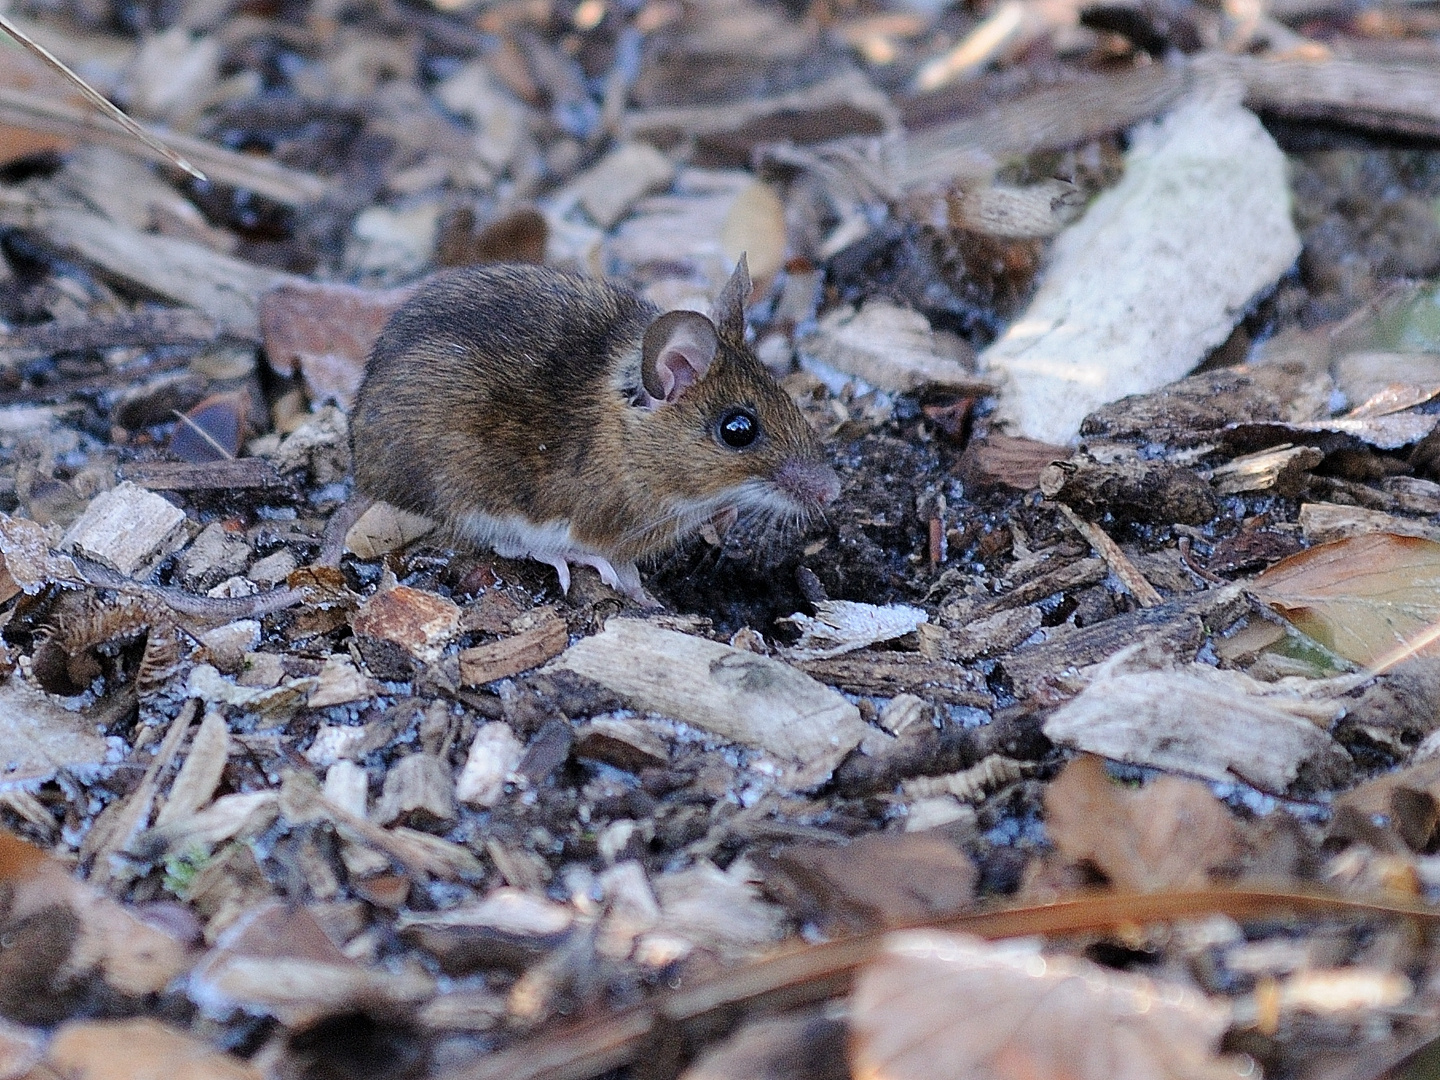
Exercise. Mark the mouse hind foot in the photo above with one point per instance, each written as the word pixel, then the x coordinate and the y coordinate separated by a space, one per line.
pixel 550 543
pixel 624 578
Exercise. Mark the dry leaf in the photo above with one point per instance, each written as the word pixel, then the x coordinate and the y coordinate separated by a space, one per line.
pixel 384 528
pixel 755 228
pixel 139 1049
pixel 1361 597
pixel 886 879
pixel 841 626
pixel 325 331
pixel 1167 834
pixel 950 1007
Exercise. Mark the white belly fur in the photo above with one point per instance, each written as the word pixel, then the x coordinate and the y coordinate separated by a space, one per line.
pixel 514 537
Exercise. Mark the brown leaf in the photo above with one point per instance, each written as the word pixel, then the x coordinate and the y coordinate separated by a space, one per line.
pixel 1168 834
pixel 213 430
pixel 889 879
pixel 949 1007
pixel 1362 597
pixel 139 1050
pixel 324 332
pixel 1006 461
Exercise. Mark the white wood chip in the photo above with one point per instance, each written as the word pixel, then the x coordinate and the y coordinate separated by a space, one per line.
pixel 198 778
pixel 507 910
pixel 340 682
pixel 228 816
pixel 609 188
pixel 719 911
pixel 126 527
pixel 38 736
pixel 384 528
pixel 842 626
pixel 334 742
pixel 494 755
pixel 1156 273
pixel 418 783
pixel 1219 725
pixel 889 347
pixel 228 645
pixel 347 786
pixel 737 695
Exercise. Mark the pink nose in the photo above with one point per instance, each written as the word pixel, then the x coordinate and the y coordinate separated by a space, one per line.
pixel 809 482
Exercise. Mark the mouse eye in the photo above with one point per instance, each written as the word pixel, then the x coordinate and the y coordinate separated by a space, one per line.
pixel 738 428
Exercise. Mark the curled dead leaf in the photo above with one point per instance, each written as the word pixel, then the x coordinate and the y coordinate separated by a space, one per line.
pixel 1166 834
pixel 950 1007
pixel 1362 597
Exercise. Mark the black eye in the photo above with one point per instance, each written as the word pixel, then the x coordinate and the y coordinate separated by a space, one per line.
pixel 738 428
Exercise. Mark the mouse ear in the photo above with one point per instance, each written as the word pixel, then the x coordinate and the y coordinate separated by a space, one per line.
pixel 730 304
pixel 676 353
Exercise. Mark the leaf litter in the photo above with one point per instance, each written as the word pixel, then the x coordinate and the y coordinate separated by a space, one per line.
pixel 398 809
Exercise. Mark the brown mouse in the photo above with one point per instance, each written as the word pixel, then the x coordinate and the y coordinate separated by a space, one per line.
pixel 549 416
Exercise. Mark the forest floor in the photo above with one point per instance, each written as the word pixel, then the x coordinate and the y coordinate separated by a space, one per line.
pixel 1089 732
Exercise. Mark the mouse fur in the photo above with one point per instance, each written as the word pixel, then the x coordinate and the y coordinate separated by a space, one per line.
pixel 551 416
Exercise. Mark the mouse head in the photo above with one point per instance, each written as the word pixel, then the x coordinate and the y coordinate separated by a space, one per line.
pixel 716 423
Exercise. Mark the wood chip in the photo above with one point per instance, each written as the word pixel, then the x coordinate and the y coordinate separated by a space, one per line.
pixel 339 682
pixel 226 289
pixel 621 743
pixel 1049 119
pixel 419 621
pixel 139 1049
pixel 1218 725
pixel 1126 304
pixel 1398 99
pixel 510 656
pixel 737 125
pixel 38 736
pixel 348 787
pixel 1283 469
pixel 1120 565
pixel 509 928
pixel 278 961
pixel 891 348
pixel 237 473
pixel 1323 522
pixel 841 626
pixel 178 326
pixel 737 695
pixel 888 674
pixel 494 755
pixel 198 778
pixel 418 791
pixel 125 528
pixel 609 188
pixel 1006 461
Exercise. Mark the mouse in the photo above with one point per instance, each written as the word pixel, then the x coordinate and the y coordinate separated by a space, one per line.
pixel 550 416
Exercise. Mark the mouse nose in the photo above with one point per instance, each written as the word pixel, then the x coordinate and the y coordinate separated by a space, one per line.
pixel 810 482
